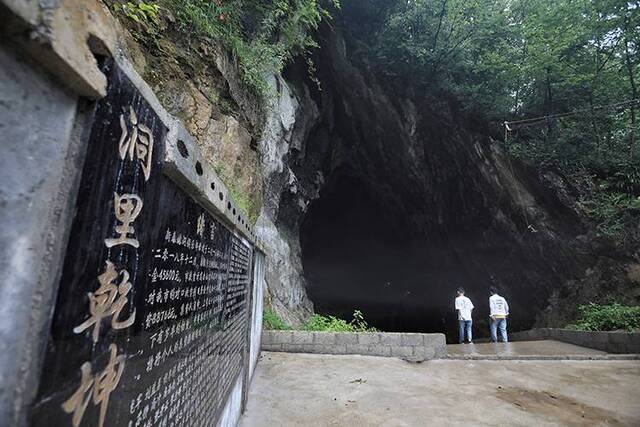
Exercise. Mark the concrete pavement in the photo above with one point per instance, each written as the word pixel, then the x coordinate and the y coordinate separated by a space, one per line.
pixel 320 390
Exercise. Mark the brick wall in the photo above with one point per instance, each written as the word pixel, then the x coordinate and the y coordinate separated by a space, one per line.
pixel 611 342
pixel 406 345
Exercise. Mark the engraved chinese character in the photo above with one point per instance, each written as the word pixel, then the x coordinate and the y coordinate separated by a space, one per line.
pixel 78 403
pixel 127 208
pixel 108 300
pixel 107 381
pixel 213 231
pixel 138 143
pixel 99 387
pixel 200 225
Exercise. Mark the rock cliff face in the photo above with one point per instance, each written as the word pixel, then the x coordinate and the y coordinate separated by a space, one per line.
pixel 385 200
pixel 289 118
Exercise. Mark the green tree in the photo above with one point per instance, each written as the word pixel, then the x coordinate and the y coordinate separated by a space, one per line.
pixel 516 59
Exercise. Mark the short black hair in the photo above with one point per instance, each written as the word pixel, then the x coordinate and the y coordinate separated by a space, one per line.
pixel 461 290
pixel 493 290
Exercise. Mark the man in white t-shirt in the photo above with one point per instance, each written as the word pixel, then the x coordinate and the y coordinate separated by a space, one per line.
pixel 463 307
pixel 499 310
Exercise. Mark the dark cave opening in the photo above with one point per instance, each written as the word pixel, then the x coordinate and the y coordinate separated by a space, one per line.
pixel 361 253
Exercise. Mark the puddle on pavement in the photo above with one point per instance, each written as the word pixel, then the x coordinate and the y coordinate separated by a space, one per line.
pixel 565 410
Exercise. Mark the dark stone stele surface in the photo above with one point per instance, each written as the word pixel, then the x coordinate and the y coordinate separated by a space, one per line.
pixel 180 364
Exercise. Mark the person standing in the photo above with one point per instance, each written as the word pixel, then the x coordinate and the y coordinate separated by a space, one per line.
pixel 464 306
pixel 499 310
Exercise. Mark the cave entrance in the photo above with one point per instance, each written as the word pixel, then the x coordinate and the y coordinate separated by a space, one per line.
pixel 359 253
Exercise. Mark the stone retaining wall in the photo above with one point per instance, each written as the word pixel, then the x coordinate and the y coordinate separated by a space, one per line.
pixel 611 342
pixel 405 345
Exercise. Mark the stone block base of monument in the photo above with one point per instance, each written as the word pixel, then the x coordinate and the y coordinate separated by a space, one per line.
pixel 411 346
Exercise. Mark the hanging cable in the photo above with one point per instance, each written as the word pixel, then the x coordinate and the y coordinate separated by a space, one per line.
pixel 510 126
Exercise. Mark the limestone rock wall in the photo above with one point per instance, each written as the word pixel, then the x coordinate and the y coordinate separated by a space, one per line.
pixel 284 274
pixel 248 140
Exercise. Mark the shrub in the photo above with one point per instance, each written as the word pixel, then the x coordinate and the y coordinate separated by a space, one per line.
pixel 318 322
pixel 270 320
pixel 360 324
pixel 612 317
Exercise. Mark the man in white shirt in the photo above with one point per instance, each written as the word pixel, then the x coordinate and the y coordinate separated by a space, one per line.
pixel 463 307
pixel 499 310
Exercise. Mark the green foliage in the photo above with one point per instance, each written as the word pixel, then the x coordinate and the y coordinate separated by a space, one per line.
pixel 613 211
pixel 141 12
pixel 517 59
pixel 263 36
pixel 456 46
pixel 245 204
pixel 508 58
pixel 359 323
pixel 145 15
pixel 271 321
pixel 613 317
pixel 318 322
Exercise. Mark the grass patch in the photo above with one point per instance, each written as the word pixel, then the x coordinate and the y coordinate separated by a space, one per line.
pixel 271 321
pixel 611 317
pixel 318 323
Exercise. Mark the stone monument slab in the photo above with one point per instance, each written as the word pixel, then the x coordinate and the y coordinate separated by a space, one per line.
pixel 150 322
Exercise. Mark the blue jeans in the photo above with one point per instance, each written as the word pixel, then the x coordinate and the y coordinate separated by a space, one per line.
pixel 499 324
pixel 465 324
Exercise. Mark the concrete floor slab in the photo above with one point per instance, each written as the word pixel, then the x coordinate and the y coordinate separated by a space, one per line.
pixel 523 348
pixel 321 390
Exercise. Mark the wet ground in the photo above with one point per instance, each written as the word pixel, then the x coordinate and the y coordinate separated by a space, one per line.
pixel 523 348
pixel 321 390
